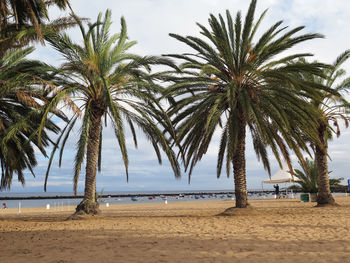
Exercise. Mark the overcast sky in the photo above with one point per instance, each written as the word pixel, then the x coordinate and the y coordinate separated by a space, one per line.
pixel 149 22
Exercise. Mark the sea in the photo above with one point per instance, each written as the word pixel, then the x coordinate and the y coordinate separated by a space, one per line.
pixel 59 200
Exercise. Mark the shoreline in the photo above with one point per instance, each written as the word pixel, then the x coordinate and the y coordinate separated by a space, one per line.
pixel 262 203
pixel 142 207
pixel 56 204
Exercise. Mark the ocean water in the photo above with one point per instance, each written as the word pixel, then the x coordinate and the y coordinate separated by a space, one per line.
pixel 56 202
pixel 115 198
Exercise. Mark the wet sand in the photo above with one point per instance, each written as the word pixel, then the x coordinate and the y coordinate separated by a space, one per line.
pixel 276 231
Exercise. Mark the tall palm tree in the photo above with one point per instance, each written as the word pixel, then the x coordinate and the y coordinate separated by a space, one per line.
pixel 111 84
pixel 332 108
pixel 234 81
pixel 20 115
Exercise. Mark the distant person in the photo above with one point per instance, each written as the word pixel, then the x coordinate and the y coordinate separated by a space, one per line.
pixel 277 190
pixel 4 206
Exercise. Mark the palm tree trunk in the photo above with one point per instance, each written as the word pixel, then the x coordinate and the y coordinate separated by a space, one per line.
pixel 324 196
pixel 239 170
pixel 89 205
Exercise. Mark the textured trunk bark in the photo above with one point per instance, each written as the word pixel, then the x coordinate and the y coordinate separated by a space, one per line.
pixel 324 196
pixel 239 170
pixel 89 205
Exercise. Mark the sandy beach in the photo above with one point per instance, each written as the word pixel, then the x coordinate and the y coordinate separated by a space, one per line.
pixel 276 231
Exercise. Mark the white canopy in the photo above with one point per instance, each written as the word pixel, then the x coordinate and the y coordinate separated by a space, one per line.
pixel 282 176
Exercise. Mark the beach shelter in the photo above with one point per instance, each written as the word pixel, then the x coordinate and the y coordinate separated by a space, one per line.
pixel 282 176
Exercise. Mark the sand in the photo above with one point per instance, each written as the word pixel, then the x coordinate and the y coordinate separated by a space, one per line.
pixel 278 231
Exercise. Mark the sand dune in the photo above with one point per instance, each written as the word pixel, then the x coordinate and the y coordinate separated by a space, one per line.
pixel 278 231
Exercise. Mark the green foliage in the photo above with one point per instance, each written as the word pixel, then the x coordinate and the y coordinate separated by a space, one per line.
pixel 21 100
pixel 21 80
pixel 26 12
pixel 336 186
pixel 112 83
pixel 233 79
pixel 335 108
pixel 332 105
pixel 309 178
pixel 26 21
pixel 98 197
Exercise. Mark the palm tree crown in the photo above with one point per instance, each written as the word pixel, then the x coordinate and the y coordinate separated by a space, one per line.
pixel 21 12
pixel 24 21
pixel 334 107
pixel 20 117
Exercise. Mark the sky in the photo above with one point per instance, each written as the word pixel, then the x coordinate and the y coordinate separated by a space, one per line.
pixel 149 22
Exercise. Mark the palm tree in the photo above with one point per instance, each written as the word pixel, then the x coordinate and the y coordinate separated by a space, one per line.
pixel 308 178
pixel 111 84
pixel 332 108
pixel 233 81
pixel 20 115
